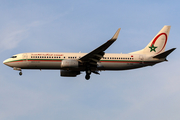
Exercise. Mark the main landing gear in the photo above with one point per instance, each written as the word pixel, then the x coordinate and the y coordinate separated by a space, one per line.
pixel 88 73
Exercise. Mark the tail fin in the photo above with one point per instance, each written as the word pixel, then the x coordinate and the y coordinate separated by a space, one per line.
pixel 157 44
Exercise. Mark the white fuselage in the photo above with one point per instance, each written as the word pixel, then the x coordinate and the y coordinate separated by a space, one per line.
pixel 42 60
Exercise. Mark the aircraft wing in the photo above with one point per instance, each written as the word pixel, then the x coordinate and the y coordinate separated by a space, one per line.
pixel 94 56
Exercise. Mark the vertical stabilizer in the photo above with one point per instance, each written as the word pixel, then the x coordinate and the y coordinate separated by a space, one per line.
pixel 157 44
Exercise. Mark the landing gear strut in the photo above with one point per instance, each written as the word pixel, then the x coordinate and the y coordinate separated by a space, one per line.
pixel 19 69
pixel 88 73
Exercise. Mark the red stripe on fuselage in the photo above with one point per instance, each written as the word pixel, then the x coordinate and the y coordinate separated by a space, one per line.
pixel 46 60
pixel 120 61
pixel 36 60
pixel 15 61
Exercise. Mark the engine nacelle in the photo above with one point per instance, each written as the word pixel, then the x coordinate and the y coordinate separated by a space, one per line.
pixel 65 73
pixel 69 64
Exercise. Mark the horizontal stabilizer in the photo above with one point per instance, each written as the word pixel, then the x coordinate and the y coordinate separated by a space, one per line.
pixel 164 54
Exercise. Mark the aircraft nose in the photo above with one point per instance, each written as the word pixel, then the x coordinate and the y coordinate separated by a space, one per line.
pixel 5 62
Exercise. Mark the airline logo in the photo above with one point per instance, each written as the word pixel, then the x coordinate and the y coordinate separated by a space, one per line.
pixel 159 43
pixel 153 48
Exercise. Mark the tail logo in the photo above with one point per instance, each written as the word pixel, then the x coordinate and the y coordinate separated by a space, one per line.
pixel 153 48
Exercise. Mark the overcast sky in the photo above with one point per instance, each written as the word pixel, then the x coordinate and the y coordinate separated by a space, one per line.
pixel 150 93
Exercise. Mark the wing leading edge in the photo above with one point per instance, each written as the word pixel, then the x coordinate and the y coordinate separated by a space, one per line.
pixel 94 56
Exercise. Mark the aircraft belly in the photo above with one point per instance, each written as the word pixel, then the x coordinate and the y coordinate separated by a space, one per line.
pixel 47 65
pixel 40 65
pixel 121 66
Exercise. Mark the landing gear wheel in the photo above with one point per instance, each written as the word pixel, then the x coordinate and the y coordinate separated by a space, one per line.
pixel 88 73
pixel 20 73
pixel 87 77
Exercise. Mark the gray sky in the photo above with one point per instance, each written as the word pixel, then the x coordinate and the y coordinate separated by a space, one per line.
pixel 81 25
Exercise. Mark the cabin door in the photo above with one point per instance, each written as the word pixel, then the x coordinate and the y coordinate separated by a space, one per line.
pixel 25 57
pixel 141 57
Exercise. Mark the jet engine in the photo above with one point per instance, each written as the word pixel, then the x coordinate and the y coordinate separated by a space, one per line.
pixel 69 64
pixel 66 73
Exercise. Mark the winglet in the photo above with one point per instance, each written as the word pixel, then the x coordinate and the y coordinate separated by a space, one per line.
pixel 116 34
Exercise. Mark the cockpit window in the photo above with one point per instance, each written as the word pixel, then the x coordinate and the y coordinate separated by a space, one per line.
pixel 14 57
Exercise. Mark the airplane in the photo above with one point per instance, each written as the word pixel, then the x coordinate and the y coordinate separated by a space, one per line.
pixel 73 64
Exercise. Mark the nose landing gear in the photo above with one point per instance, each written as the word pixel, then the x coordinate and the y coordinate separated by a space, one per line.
pixel 20 73
pixel 19 69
